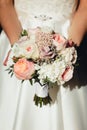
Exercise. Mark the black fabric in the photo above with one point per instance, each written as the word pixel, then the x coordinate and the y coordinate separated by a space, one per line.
pixel 0 29
pixel 80 72
pixel 82 62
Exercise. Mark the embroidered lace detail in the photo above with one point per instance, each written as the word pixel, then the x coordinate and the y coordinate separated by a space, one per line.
pixel 43 17
pixel 53 13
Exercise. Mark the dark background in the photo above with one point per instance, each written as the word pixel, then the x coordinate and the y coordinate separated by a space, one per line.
pixel 0 28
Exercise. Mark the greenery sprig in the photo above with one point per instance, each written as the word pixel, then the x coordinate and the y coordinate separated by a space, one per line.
pixel 24 33
pixel 42 101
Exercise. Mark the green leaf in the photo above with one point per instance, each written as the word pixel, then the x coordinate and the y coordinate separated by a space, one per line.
pixel 22 81
pixel 11 74
pixel 10 71
pixel 31 81
pixel 24 33
pixel 11 66
pixel 7 69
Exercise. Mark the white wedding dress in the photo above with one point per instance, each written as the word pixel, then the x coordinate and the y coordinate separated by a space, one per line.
pixel 17 109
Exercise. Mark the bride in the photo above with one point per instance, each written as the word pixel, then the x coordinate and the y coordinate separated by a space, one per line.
pixel 17 110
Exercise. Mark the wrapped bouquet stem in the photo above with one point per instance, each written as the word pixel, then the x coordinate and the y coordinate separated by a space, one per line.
pixel 41 95
pixel 45 57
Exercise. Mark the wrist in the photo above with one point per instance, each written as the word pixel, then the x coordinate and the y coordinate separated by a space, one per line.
pixel 22 34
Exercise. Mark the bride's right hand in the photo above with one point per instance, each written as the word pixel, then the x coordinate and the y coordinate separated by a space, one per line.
pixel 9 20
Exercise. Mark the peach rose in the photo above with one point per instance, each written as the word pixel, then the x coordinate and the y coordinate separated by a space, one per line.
pixel 68 74
pixel 24 69
pixel 59 41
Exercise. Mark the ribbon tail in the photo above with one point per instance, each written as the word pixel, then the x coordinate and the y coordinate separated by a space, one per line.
pixel 7 57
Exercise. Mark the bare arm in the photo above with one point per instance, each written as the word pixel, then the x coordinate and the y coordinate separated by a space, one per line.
pixel 79 23
pixel 9 20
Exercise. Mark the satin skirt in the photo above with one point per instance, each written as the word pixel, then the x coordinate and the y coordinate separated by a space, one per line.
pixel 68 110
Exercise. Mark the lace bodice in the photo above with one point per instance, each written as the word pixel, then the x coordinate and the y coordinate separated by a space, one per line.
pixel 53 13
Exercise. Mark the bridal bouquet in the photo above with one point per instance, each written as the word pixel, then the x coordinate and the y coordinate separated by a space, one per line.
pixel 44 58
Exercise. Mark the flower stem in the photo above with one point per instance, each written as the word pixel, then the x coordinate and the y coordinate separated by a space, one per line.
pixel 42 101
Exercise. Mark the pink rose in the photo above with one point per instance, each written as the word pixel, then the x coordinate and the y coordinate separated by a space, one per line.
pixel 46 53
pixel 59 38
pixel 68 73
pixel 59 41
pixel 70 43
pixel 24 69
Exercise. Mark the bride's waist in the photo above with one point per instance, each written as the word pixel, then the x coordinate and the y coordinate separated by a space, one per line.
pixel 32 21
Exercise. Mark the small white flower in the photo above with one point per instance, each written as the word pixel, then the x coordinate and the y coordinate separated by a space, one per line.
pixel 69 54
pixel 51 71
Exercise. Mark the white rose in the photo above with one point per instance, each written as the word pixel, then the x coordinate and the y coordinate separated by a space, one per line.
pixel 69 54
pixel 26 48
pixel 59 41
